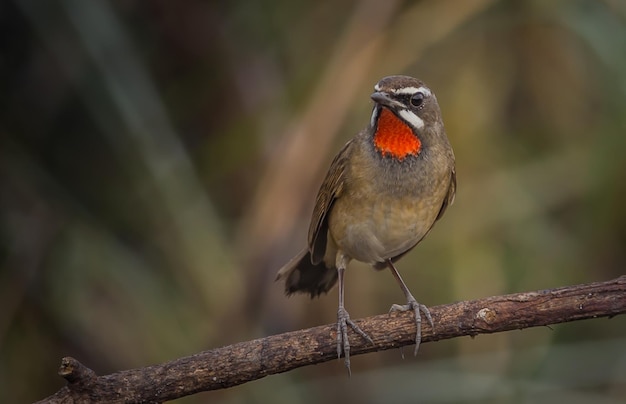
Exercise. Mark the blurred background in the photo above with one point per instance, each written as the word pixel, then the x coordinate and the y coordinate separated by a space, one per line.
pixel 159 162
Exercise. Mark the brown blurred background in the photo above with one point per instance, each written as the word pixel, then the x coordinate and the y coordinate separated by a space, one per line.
pixel 159 161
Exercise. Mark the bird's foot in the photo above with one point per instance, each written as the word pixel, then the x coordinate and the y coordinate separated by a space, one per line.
pixel 343 345
pixel 416 307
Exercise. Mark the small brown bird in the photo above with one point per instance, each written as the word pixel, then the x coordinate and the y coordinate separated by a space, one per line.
pixel 383 193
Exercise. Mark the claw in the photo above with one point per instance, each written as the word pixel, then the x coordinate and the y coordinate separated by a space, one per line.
pixel 343 345
pixel 412 304
pixel 416 307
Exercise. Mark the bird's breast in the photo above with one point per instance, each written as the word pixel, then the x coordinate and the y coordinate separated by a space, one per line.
pixel 383 214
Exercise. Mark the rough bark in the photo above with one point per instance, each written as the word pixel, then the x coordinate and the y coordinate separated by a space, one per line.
pixel 246 361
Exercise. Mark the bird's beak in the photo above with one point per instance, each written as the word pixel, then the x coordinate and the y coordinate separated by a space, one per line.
pixel 385 100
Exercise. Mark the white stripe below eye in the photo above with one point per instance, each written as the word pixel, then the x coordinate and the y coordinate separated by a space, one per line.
pixel 374 116
pixel 411 118
pixel 412 90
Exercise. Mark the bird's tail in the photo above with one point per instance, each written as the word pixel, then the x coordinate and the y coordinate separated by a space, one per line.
pixel 301 276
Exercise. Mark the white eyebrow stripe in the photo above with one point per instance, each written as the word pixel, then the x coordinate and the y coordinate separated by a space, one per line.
pixel 376 87
pixel 411 118
pixel 412 90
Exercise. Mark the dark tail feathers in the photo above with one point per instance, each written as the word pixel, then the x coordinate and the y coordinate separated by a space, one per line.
pixel 301 276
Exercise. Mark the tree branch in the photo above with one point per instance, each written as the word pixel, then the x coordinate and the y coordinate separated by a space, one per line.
pixel 246 361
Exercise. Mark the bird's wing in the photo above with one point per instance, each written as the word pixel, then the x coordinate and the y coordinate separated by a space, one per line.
pixel 449 199
pixel 331 189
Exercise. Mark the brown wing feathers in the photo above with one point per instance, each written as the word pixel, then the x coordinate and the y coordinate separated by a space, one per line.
pixel 330 190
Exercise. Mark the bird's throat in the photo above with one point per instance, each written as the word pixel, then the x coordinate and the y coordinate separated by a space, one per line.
pixel 395 138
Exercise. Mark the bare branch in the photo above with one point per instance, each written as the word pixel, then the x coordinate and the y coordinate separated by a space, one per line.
pixel 246 361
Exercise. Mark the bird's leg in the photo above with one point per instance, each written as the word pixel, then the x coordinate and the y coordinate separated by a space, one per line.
pixel 412 304
pixel 343 321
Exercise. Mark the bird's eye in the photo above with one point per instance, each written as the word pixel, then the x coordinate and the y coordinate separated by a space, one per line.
pixel 417 99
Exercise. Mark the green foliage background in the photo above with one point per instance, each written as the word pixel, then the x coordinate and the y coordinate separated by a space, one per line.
pixel 159 162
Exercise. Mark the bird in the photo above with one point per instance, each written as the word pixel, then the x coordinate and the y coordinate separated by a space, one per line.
pixel 383 193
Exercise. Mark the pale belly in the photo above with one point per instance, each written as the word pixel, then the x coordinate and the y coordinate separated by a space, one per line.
pixel 373 230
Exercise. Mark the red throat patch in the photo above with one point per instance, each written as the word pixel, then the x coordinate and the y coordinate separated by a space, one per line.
pixel 394 137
